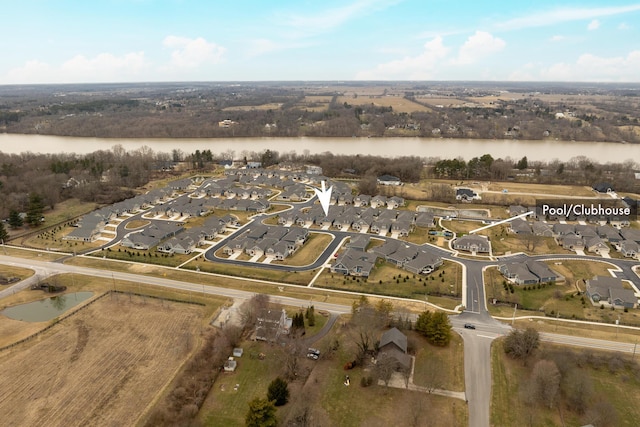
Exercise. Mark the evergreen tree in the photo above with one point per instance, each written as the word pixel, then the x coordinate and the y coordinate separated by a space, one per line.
pixel 278 392
pixel 35 209
pixel 3 233
pixel 311 316
pixel 262 413
pixel 435 327
pixel 15 220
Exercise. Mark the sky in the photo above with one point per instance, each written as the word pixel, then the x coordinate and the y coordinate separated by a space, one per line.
pixel 102 41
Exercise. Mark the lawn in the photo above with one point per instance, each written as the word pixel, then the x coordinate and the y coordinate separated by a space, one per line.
pixel 8 272
pixel 309 252
pixel 386 279
pixel 557 300
pixel 439 367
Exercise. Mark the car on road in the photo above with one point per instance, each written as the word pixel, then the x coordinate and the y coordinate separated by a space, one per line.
pixel 469 326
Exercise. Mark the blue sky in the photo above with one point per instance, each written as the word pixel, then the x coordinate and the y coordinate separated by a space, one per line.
pixel 79 41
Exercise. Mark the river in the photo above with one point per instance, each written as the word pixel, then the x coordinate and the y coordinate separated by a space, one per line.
pixel 547 150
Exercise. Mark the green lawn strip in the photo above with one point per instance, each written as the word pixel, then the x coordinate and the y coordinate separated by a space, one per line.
pixel 448 363
pixel 386 279
pixel 151 256
pixel 560 299
pixel 239 283
pixel 296 277
pixel 31 254
pixel 228 407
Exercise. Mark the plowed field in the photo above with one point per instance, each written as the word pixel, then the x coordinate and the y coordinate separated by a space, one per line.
pixel 102 366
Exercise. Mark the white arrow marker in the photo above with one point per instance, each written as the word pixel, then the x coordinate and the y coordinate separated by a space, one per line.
pixel 325 198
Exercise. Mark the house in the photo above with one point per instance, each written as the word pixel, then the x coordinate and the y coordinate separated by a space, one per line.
pixel 542 229
pixel 359 242
pixel 515 210
pixel 237 352
pixel 395 202
pixel 393 347
pixel 571 241
pixel 520 226
pixel 378 201
pixel 271 324
pixel 630 234
pixel 423 263
pixel 629 248
pixel 389 180
pixel 466 195
pixel 425 219
pixel 597 245
pixel 608 234
pixel 603 187
pixel 230 365
pixel 472 243
pixel 530 272
pixel 354 262
pixel 362 200
pixel 610 291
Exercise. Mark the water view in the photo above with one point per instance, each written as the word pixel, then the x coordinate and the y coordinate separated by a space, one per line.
pixel 45 309
pixel 538 150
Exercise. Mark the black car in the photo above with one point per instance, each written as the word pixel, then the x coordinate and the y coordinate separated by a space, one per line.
pixel 469 326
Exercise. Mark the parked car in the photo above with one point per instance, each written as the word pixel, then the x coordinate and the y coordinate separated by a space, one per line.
pixel 312 356
pixel 469 326
pixel 312 350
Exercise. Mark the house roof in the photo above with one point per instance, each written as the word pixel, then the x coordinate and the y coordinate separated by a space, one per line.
pixel 396 337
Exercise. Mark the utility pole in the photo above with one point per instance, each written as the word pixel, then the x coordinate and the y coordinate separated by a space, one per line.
pixel 515 307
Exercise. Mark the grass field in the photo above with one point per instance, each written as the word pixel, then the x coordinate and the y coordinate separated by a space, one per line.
pixel 386 279
pixel 398 103
pixel 319 389
pixel 104 364
pixel 617 383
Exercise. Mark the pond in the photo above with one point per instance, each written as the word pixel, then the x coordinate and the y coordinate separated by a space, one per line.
pixel 45 309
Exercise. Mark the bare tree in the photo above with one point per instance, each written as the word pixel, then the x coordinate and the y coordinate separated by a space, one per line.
pixel 602 414
pixel 545 381
pixel 521 344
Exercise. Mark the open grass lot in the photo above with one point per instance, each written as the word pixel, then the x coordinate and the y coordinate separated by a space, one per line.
pixel 319 389
pixel 386 279
pixel 268 106
pixel 9 272
pixel 31 254
pixel 442 367
pixel 615 379
pixel 104 365
pixel 550 190
pixel 310 251
pixel 52 239
pixel 254 286
pixel 251 272
pixel 151 256
pixel 398 103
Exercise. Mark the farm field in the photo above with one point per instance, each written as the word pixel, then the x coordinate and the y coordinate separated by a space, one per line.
pixel 101 366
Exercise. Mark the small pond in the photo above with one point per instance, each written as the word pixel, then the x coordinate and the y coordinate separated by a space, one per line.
pixel 45 309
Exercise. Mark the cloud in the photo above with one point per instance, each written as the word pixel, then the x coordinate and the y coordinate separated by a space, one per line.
pixel 561 15
pixel 557 38
pixel 593 68
pixel 104 67
pixel 191 53
pixel 624 26
pixel 418 67
pixel 593 25
pixel 330 18
pixel 478 46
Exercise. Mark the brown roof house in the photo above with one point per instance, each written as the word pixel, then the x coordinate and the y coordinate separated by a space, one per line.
pixel 272 324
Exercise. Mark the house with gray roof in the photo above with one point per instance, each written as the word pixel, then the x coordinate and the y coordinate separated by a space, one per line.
pixel 393 349
pixel 608 233
pixel 611 292
pixel 597 245
pixel 520 226
pixel 354 262
pixel 423 263
pixel 425 219
pixel 629 248
pixel 542 229
pixel 529 273
pixel 571 241
pixel 472 243
pixel 151 235
pixel 630 234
